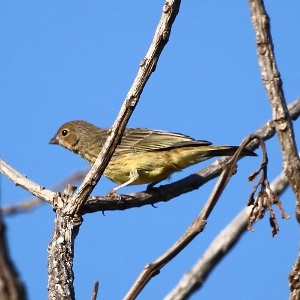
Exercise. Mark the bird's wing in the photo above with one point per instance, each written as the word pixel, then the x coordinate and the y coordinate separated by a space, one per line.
pixel 140 139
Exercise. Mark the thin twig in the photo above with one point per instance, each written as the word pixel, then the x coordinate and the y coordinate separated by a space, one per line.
pixel 68 207
pixel 164 192
pixel 185 185
pixel 147 66
pixel 25 183
pixel 194 279
pixel 196 227
pixel 273 84
pixel 95 290
pixel 33 203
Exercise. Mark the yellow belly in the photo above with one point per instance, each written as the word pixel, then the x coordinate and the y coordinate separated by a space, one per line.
pixel 153 165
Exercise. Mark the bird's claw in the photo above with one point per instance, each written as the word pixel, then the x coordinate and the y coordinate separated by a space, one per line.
pixel 113 194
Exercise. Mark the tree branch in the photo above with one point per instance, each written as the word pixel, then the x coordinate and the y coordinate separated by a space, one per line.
pixel 68 209
pixel 185 185
pixel 147 66
pixel 222 244
pixel 273 84
pixel 11 286
pixel 196 227
pixel 25 183
pixel 164 192
pixel 33 203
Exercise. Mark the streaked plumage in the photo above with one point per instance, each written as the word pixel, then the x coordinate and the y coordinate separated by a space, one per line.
pixel 143 156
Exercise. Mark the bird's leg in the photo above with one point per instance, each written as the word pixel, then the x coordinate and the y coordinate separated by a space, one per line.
pixel 134 175
pixel 151 185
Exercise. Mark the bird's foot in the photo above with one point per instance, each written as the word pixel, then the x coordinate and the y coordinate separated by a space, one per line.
pixel 113 194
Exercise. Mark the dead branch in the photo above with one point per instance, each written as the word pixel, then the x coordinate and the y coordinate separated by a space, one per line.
pixel 185 185
pixel 193 280
pixel 11 286
pixel 95 290
pixel 164 192
pixel 273 84
pixel 32 203
pixel 25 183
pixel 196 227
pixel 68 213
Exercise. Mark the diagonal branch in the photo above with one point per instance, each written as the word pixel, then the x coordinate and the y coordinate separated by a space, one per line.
pixel 273 85
pixel 11 285
pixel 68 208
pixel 25 183
pixel 147 66
pixel 163 193
pixel 185 185
pixel 196 227
pixel 33 203
pixel 222 244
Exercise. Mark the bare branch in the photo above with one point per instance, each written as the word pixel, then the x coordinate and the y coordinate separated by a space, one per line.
pixel 147 66
pixel 68 218
pixel 222 244
pixel 11 286
pixel 168 191
pixel 273 85
pixel 34 202
pixel 27 184
pixel 196 227
pixel 27 205
pixel 185 185
pixel 95 290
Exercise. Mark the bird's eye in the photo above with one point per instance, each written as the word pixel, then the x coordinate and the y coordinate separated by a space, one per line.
pixel 64 132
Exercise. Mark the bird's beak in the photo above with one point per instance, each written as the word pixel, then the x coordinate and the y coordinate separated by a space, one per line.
pixel 54 140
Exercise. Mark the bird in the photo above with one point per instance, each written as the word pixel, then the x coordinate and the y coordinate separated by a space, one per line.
pixel 143 156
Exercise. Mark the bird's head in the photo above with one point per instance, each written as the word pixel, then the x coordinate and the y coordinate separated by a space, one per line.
pixel 70 134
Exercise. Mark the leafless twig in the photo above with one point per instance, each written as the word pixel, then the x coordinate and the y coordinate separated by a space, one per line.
pixel 222 244
pixel 11 286
pixel 35 202
pixel 27 184
pixel 196 227
pixel 95 290
pixel 185 185
pixel 162 193
pixel 284 128
pixel 273 85
pixel 68 213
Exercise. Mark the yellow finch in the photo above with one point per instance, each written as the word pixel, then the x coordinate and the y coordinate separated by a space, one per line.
pixel 143 155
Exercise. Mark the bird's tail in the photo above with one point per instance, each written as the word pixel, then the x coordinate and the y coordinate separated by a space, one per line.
pixel 184 157
pixel 228 151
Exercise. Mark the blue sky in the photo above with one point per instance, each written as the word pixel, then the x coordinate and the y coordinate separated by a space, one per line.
pixel 69 60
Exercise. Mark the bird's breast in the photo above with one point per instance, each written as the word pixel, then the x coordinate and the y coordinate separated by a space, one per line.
pixel 151 166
